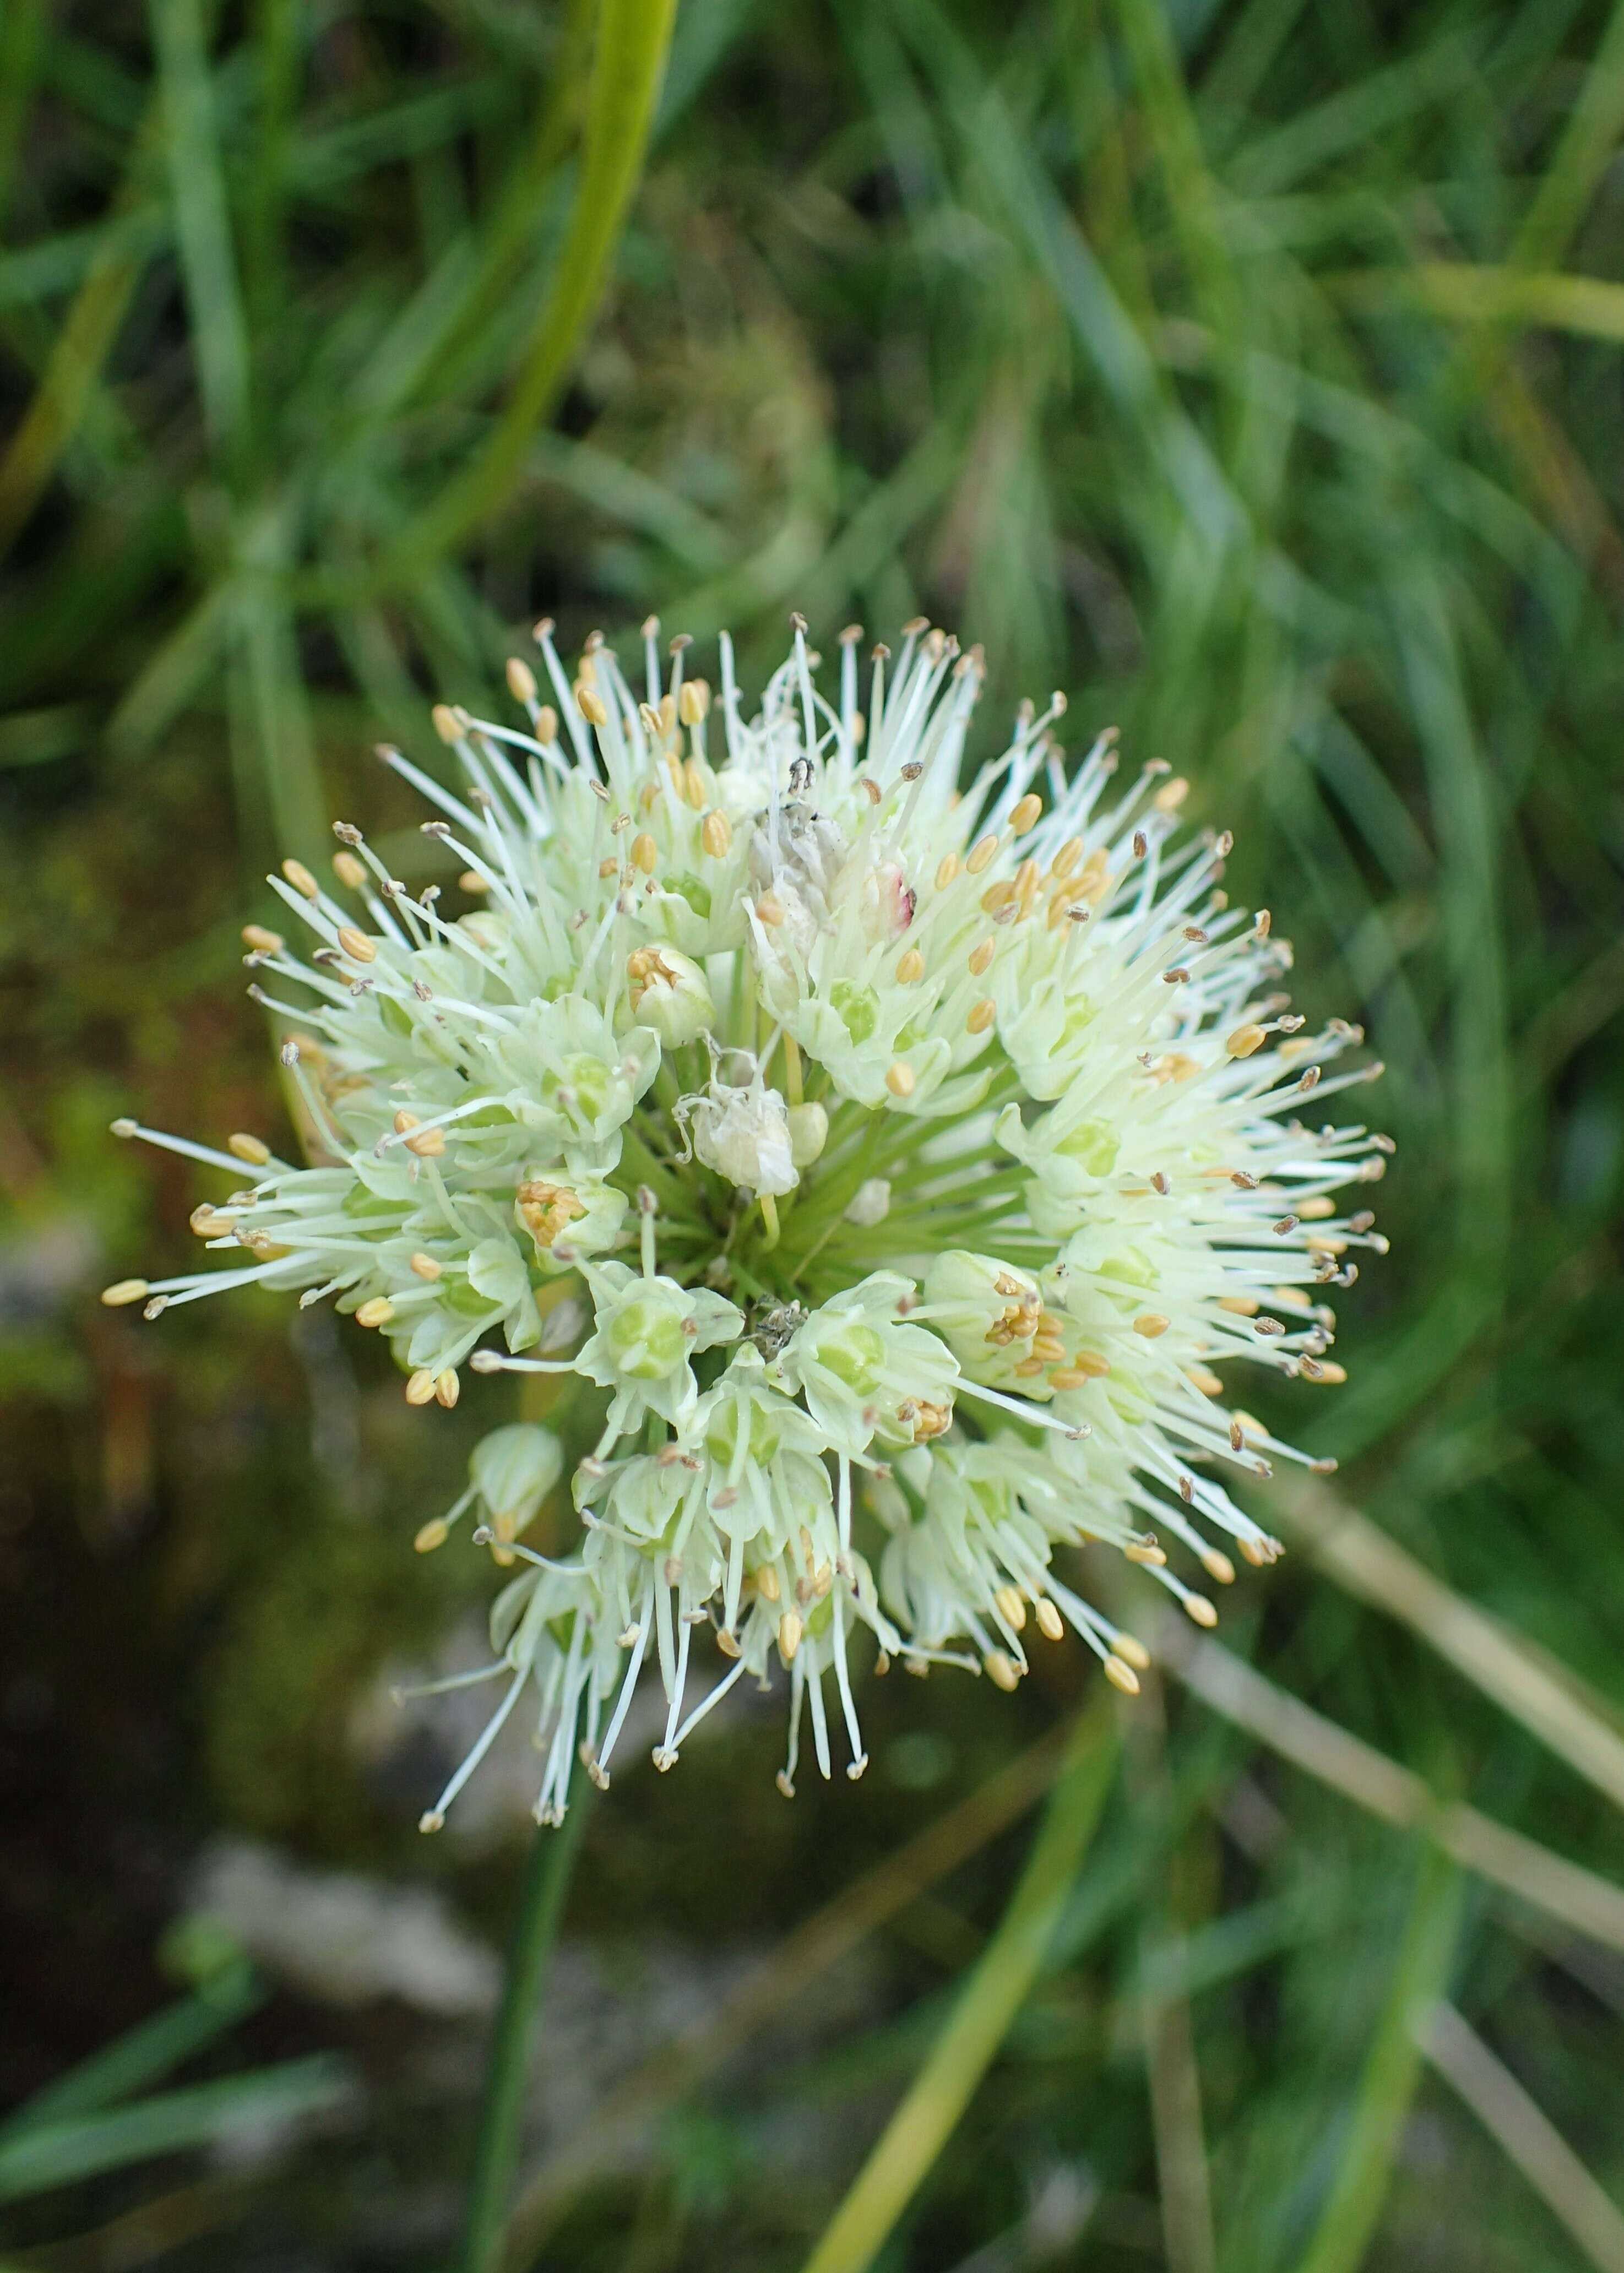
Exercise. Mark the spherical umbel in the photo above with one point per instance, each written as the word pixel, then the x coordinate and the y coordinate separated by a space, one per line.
pixel 884 1163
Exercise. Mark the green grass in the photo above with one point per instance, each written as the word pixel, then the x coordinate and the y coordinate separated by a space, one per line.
pixel 1247 367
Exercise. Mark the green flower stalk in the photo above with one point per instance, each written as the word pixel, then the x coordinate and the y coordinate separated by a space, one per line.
pixel 895 1168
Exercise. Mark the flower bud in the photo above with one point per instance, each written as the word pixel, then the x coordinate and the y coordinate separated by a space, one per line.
pixel 513 1470
pixel 669 991
pixel 808 1133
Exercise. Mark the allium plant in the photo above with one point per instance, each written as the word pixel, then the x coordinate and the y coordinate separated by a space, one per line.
pixel 891 1165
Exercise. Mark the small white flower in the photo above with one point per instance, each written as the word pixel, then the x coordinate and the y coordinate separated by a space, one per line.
pixel 648 1329
pixel 893 1165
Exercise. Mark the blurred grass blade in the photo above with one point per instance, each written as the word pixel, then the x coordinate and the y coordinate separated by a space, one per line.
pixel 1592 307
pixel 1524 2134
pixel 63 394
pixel 633 39
pixel 1535 1874
pixel 1349 2220
pixel 1373 1567
pixel 21 46
pixel 203 223
pixel 271 732
pixel 144 2053
pixel 1582 156
pixel 980 2020
pixel 798 1961
pixel 52 2154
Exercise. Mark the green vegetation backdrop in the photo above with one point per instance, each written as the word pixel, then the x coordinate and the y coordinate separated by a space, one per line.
pixel 1249 368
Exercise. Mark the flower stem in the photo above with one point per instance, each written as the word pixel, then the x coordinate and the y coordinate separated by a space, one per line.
pixel 540 1911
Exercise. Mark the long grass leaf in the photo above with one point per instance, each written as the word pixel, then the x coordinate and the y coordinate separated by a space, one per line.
pixel 1362 1558
pixel 940 2093
pixel 55 2154
pixel 142 2054
pixel 633 37
pixel 203 223
pixel 1524 2134
pixel 1350 2216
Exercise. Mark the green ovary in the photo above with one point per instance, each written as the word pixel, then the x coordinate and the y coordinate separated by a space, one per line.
pixel 588 1078
pixel 766 1434
pixel 646 1341
pixel 857 1008
pixel 856 1357
pixel 1094 1146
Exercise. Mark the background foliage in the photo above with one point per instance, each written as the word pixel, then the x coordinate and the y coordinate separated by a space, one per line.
pixel 1248 368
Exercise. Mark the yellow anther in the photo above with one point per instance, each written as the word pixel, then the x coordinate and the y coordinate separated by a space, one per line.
pixel 357 945
pixel 1000 1669
pixel 910 967
pixel 263 941
pixel 1070 853
pixel 521 680
pixel 1051 1625
pixel 1217 1566
pixel 899 1079
pixel 1013 1610
pixel 1026 813
pixel 426 1143
pixel 981 1015
pixel 299 877
pixel 1139 1551
pixel 981 854
pixel 448 1387
pixel 426 1267
pixel 1239 1306
pixel 431 1535
pixel 590 705
pixel 645 852
pixel 947 871
pixel 981 956
pixel 1244 1040
pixel 254 1150
pixel 123 1291
pixel 1171 795
pixel 1131 1651
pixel 420 1388
pixel 694 702
pixel 769 908
pixel 716 834
pixel 1150 1324
pixel 789 1635
pixel 767 1582
pixel 1198 1607
pixel 546 725
pixel 377 1310
pixel 472 881
pixel 1122 1677
pixel 446 724
pixel 352 873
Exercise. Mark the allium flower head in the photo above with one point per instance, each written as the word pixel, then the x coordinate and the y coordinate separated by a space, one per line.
pixel 887 1168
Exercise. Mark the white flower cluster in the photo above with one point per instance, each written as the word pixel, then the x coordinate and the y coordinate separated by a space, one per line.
pixel 884 1168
